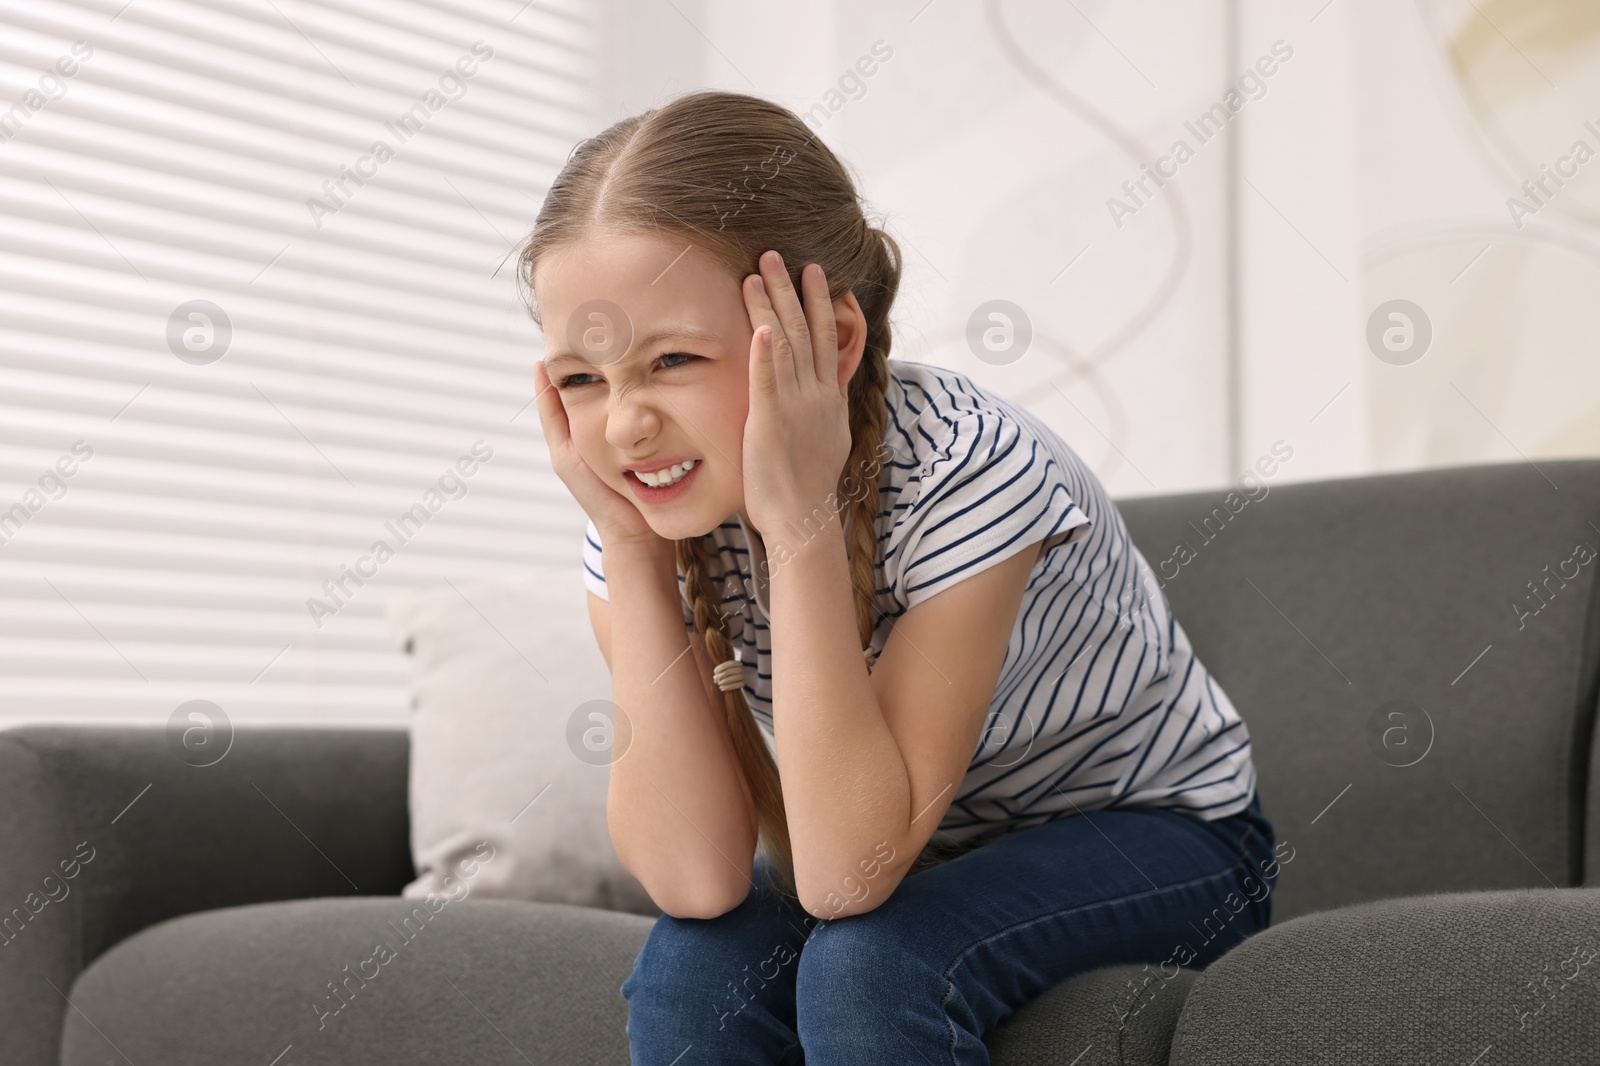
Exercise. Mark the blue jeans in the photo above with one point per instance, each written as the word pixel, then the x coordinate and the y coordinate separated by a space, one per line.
pixel 956 947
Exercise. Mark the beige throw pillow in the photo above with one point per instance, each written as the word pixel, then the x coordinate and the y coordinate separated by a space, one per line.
pixel 498 671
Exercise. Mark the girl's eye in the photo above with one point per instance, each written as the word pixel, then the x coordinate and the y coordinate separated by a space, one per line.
pixel 571 380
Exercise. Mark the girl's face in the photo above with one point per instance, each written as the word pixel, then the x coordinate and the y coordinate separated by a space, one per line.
pixel 649 350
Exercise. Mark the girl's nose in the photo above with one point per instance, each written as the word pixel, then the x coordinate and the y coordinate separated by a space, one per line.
pixel 631 420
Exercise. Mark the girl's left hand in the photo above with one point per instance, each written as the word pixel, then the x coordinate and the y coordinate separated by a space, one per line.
pixel 797 434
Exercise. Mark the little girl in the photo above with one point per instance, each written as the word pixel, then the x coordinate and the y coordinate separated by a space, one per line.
pixel 1001 763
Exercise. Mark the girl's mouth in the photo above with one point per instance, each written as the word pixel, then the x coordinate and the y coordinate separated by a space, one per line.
pixel 663 493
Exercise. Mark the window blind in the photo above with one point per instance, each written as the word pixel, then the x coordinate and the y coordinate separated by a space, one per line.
pixel 258 318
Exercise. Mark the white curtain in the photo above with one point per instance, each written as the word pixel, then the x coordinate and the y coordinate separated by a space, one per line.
pixel 262 367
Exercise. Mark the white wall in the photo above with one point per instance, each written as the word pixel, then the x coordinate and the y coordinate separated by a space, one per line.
pixel 993 181
pixel 1382 173
pixel 1299 272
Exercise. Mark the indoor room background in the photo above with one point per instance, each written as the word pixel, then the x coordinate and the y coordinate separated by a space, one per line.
pixel 257 310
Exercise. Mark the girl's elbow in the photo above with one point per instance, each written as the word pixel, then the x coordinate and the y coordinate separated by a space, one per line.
pixel 700 904
pixel 688 896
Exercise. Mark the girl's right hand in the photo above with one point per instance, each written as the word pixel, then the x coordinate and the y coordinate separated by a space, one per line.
pixel 615 517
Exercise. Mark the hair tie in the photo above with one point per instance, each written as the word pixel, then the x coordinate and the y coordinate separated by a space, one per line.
pixel 729 674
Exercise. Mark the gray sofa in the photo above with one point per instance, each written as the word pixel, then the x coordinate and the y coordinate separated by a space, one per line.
pixel 1424 747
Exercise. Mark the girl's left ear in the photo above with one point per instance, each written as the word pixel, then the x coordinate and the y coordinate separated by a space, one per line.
pixel 850 322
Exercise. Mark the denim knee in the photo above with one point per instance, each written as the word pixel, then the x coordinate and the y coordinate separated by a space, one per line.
pixel 723 985
pixel 696 968
pixel 845 958
pixel 862 987
pixel 657 981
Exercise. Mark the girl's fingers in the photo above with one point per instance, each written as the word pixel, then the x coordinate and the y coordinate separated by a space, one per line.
pixel 765 368
pixel 552 416
pixel 541 385
pixel 763 377
pixel 824 328
pixel 793 350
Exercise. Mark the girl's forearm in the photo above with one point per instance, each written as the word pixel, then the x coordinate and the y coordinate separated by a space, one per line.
pixel 678 807
pixel 845 788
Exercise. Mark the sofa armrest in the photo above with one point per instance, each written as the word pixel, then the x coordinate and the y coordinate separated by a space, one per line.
pixel 1461 977
pixel 39 910
pixel 107 830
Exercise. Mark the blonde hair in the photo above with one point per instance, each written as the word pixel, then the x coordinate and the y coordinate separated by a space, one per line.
pixel 737 175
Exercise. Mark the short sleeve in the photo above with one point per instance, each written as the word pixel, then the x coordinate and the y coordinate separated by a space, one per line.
pixel 991 487
pixel 594 574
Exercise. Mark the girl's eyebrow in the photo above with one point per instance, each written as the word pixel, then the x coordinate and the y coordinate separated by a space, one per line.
pixel 680 332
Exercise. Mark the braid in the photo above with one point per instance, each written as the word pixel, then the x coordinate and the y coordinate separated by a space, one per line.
pixel 761 771
pixel 868 417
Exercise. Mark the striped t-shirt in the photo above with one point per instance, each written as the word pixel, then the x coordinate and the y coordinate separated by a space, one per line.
pixel 1101 701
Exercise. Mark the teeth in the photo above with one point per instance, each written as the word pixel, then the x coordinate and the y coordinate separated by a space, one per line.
pixel 669 476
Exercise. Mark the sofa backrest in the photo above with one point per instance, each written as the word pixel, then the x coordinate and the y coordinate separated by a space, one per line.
pixel 1417 658
pixel 286 813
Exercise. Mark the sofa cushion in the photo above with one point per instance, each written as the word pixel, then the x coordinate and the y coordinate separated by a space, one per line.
pixel 474 981
pixel 1471 977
